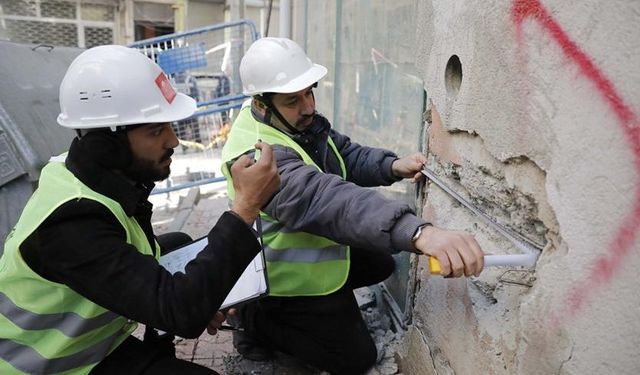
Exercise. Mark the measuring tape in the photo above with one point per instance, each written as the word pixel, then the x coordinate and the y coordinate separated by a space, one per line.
pixel 531 249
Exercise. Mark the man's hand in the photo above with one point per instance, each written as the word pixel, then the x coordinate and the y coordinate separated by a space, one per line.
pixel 254 182
pixel 215 323
pixel 458 252
pixel 409 166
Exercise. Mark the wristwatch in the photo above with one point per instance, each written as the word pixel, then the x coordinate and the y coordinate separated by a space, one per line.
pixel 418 232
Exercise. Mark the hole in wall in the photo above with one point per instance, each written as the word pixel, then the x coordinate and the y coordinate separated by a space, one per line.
pixel 453 76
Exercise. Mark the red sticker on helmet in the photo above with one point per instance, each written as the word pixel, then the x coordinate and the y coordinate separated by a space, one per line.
pixel 165 87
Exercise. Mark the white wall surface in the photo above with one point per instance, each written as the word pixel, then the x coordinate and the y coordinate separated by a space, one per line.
pixel 543 135
pixel 202 13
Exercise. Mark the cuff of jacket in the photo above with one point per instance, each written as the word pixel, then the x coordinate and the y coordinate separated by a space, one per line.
pixel 255 233
pixel 403 231
pixel 388 176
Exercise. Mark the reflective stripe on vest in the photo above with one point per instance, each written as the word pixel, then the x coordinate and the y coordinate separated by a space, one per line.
pixel 69 323
pixel 26 359
pixel 46 326
pixel 298 255
pixel 298 263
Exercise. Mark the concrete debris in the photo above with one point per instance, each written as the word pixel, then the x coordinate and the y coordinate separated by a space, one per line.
pixel 386 340
pixel 283 364
pixel 376 321
pixel 365 297
pixel 237 365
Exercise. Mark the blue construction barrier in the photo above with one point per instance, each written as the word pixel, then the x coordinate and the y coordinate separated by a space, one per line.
pixel 181 59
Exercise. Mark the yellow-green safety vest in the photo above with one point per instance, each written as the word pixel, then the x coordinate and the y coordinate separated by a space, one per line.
pixel 46 327
pixel 298 263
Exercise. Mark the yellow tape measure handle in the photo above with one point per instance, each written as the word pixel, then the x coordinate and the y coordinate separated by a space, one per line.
pixel 434 266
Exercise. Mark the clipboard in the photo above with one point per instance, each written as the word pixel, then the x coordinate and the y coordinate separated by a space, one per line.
pixel 251 285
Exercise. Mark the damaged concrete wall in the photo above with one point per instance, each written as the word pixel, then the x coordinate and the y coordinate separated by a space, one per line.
pixel 534 117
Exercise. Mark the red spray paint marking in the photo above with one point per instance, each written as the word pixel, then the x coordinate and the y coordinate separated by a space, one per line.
pixel 604 267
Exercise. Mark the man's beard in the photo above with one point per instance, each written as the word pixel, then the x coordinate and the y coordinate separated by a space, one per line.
pixel 300 124
pixel 145 170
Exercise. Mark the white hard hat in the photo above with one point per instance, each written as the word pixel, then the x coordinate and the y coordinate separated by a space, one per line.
pixel 109 86
pixel 277 65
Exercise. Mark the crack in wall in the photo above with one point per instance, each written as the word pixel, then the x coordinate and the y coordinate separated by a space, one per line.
pixel 573 346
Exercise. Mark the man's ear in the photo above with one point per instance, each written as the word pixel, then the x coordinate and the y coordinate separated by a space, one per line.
pixel 260 104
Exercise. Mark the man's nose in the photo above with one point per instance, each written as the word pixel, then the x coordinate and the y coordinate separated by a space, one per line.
pixel 308 106
pixel 172 140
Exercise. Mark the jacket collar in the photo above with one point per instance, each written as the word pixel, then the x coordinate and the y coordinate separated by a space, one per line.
pixel 131 196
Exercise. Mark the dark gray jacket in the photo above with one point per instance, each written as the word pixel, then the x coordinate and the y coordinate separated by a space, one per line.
pixel 344 211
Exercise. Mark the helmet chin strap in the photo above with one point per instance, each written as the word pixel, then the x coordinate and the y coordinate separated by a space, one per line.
pixel 271 110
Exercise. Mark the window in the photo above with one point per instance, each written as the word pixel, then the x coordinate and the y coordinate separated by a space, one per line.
pixel 58 22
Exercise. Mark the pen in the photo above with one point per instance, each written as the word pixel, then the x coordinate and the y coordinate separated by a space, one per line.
pixel 230 328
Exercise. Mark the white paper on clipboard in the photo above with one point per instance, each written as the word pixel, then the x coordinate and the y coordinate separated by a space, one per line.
pixel 252 283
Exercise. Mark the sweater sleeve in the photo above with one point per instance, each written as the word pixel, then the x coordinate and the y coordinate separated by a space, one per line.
pixel 83 246
pixel 324 204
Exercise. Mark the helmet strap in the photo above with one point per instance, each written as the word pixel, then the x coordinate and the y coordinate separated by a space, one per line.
pixel 271 110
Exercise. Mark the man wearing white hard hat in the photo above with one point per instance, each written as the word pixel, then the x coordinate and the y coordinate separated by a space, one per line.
pixel 325 233
pixel 80 268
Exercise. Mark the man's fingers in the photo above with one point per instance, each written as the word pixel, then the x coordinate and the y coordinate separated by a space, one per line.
pixel 469 259
pixel 457 265
pixel 477 253
pixel 419 160
pixel 219 317
pixel 266 156
pixel 458 252
pixel 212 327
pixel 243 162
pixel 445 264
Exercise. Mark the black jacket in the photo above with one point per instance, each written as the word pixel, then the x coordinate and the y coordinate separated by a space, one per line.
pixel 82 245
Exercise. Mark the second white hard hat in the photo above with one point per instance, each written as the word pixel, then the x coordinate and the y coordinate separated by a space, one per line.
pixel 110 86
pixel 277 65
